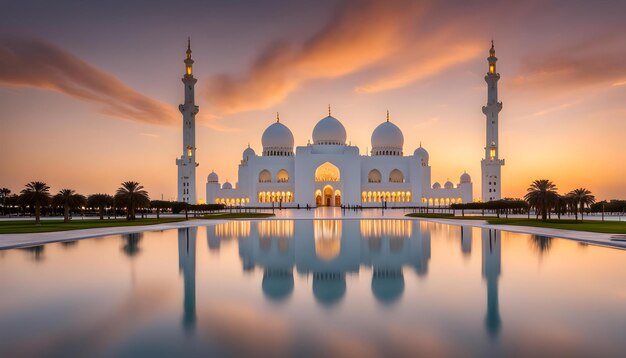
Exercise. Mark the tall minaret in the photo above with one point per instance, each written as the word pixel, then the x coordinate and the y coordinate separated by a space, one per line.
pixel 187 162
pixel 491 165
pixel 491 263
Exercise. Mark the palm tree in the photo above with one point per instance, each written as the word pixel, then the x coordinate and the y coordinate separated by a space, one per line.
pixel 132 195
pixel 581 197
pixel 561 203
pixel 36 193
pixel 69 199
pixel 100 201
pixel 542 195
pixel 4 192
pixel 158 205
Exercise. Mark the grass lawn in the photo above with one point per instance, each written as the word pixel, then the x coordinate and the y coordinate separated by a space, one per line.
pixel 236 216
pixel 449 216
pixel 608 227
pixel 28 226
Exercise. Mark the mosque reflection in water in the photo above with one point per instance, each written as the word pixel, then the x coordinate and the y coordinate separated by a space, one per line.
pixel 328 250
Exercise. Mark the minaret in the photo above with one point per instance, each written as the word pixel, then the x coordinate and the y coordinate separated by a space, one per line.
pixel 187 162
pixel 491 165
pixel 187 266
pixel 491 269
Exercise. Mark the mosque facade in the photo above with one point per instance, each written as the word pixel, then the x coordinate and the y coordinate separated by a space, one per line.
pixel 331 172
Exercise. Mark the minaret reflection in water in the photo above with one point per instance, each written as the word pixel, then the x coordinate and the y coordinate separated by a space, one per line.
pixel 491 262
pixel 466 240
pixel 187 265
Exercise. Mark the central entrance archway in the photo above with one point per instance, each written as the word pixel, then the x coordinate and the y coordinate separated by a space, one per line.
pixel 329 174
pixel 328 196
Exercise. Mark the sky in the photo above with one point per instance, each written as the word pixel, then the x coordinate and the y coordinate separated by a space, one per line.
pixel 89 89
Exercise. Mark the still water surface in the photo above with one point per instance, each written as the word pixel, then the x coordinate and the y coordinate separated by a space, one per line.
pixel 314 287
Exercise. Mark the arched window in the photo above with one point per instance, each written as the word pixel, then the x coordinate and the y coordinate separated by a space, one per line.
pixel 327 172
pixel 282 176
pixel 396 176
pixel 374 176
pixel 265 176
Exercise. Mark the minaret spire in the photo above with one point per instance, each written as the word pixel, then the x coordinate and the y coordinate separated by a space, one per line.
pixel 491 163
pixel 187 162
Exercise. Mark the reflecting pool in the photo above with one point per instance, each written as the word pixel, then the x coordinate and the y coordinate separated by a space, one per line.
pixel 314 287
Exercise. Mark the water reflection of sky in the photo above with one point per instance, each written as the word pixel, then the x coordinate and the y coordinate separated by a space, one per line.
pixel 331 287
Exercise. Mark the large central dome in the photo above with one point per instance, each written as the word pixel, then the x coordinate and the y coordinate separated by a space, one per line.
pixel 387 139
pixel 277 140
pixel 329 131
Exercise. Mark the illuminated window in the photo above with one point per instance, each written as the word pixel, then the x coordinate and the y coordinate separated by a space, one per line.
pixel 492 153
pixel 189 151
pixel 188 70
pixel 492 68
pixel 327 172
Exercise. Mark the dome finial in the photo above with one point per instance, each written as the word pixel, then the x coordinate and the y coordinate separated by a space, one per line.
pixel 277 117
pixel 329 110
pixel 387 115
pixel 420 143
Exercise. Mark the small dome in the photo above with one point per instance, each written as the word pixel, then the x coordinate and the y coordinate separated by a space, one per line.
pixel 465 178
pixel 387 137
pixel 329 131
pixel 227 185
pixel 421 154
pixel 436 185
pixel 212 178
pixel 448 185
pixel 278 138
pixel 248 153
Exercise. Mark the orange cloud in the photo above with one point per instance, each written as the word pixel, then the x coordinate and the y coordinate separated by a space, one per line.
pixel 424 60
pixel 596 61
pixel 28 62
pixel 362 34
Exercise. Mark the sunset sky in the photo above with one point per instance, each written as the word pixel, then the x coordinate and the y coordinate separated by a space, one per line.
pixel 89 89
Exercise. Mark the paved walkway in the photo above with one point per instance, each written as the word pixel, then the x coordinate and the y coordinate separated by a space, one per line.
pixel 19 240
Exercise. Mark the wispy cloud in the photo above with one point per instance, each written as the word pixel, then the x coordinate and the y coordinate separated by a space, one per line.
pixel 34 63
pixel 426 123
pixel 552 109
pixel 150 135
pixel 361 34
pixel 598 60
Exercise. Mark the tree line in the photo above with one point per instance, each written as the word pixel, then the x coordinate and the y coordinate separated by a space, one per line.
pixel 128 199
pixel 543 197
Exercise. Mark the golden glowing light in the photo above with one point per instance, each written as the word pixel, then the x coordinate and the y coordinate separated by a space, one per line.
pixel 327 235
pixel 327 172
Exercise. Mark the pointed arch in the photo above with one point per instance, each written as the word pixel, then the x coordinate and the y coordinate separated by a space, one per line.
pixel 396 176
pixel 327 172
pixel 374 176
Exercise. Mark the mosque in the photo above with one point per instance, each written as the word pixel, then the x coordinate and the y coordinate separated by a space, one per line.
pixel 330 172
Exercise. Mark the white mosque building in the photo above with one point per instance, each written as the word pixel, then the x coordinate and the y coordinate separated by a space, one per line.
pixel 330 172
